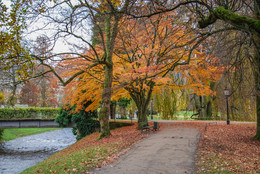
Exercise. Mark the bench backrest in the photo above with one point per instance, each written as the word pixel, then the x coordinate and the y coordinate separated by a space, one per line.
pixel 155 125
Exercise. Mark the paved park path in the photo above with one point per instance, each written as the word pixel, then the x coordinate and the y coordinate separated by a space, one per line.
pixel 170 151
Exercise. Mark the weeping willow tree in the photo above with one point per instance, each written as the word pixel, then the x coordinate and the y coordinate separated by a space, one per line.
pixel 131 108
pixel 238 79
pixel 166 103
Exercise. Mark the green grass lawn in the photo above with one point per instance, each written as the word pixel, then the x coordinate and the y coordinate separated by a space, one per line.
pixel 179 115
pixel 10 134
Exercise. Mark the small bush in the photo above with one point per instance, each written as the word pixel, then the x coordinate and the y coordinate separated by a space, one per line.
pixel 64 118
pixel 85 121
pixel 15 113
pixel 85 124
pixel 115 125
pixel 1 134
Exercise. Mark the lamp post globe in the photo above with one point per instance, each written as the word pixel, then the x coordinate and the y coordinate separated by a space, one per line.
pixel 226 92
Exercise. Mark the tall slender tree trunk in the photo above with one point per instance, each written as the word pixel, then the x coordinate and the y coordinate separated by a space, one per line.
pixel 43 85
pixel 111 33
pixel 257 136
pixel 113 110
pixel 105 103
pixel 203 108
pixel 12 99
pixel 257 86
pixel 122 112
pixel 257 72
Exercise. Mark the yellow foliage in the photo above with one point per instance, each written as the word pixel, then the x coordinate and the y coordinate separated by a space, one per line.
pixel 144 51
pixel 1 96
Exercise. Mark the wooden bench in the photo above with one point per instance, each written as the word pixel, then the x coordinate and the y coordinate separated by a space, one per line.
pixel 193 116
pixel 208 124
pixel 145 127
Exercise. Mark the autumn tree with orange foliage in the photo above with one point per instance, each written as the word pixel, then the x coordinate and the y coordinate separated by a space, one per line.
pixel 151 48
pixel 35 93
pixel 72 19
pixel 145 52
pixel 201 77
pixel 151 56
pixel 223 17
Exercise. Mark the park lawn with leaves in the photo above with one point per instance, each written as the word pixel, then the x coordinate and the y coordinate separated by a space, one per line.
pixel 225 149
pixel 10 134
pixel 222 149
pixel 89 153
pixel 228 149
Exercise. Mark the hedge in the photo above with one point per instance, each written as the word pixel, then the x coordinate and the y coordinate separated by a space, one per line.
pixel 1 134
pixel 31 112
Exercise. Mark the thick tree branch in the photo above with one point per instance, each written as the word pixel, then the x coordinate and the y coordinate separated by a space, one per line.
pixel 241 22
pixel 171 9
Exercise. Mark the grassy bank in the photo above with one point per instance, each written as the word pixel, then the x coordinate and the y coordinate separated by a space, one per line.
pixel 10 134
pixel 89 153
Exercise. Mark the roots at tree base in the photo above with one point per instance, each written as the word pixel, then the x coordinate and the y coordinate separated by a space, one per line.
pixel 104 134
pixel 257 137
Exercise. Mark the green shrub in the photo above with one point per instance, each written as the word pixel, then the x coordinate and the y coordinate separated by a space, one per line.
pixel 1 134
pixel 84 126
pixel 64 117
pixel 31 112
pixel 115 125
pixel 85 123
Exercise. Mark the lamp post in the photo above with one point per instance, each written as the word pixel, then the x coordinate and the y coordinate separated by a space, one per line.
pixel 151 109
pixel 226 92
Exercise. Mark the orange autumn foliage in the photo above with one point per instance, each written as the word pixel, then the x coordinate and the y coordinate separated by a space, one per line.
pixel 145 50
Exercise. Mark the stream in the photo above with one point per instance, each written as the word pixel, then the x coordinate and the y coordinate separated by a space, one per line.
pixel 21 153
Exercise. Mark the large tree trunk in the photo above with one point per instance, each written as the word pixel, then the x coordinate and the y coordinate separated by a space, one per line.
pixel 105 103
pixel 106 94
pixel 203 106
pixel 110 36
pixel 142 98
pixel 142 115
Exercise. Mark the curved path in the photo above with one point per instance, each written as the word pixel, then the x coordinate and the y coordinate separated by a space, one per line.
pixel 18 154
pixel 170 151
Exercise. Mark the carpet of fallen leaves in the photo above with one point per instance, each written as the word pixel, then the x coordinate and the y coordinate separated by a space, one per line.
pixel 90 153
pixel 221 149
pixel 228 149
pixel 225 148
